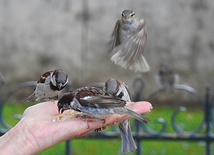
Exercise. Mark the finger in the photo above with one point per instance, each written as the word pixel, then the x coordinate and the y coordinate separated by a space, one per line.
pixel 140 107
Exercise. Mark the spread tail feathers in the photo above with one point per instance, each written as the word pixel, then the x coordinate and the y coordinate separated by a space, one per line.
pixel 139 64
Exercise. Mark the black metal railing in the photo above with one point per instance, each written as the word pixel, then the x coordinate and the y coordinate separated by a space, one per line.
pixel 204 104
pixel 141 132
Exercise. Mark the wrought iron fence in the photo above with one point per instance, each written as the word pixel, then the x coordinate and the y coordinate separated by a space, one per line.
pixel 141 132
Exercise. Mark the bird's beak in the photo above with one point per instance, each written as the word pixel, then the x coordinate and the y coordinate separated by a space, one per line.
pixel 129 19
pixel 126 19
pixel 63 107
pixel 60 86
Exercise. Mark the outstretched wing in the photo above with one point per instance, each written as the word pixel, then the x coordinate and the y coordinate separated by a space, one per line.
pixel 129 54
pixel 114 41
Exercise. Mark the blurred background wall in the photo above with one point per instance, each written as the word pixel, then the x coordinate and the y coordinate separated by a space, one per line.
pixel 40 35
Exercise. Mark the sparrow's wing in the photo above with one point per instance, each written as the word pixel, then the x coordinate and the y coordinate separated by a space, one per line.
pixel 43 78
pixel 133 114
pixel 115 41
pixel 137 116
pixel 103 101
pixel 129 54
pixel 30 98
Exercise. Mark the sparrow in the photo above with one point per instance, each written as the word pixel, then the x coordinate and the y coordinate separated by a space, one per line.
pixel 49 85
pixel 128 42
pixel 96 103
pixel 167 78
pixel 120 89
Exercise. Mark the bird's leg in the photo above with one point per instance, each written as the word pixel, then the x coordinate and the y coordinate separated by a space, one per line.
pixel 87 118
pixel 104 128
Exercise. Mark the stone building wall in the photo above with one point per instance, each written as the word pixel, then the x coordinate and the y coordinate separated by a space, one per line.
pixel 40 35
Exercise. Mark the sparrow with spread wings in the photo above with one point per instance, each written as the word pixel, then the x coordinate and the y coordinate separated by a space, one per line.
pixel 128 42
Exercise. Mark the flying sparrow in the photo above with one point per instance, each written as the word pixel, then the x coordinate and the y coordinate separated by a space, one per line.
pixel 120 89
pixel 95 103
pixel 49 85
pixel 128 42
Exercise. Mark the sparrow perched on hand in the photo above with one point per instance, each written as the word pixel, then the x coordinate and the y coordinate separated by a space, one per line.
pixel 120 89
pixel 95 103
pixel 49 85
pixel 128 42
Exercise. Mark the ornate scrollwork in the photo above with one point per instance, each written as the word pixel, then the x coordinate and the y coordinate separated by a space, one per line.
pixel 164 93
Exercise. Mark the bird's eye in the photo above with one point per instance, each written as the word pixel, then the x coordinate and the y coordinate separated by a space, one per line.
pixel 123 14
pixel 120 95
pixel 132 14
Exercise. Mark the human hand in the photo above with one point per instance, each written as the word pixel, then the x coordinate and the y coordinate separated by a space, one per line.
pixel 41 132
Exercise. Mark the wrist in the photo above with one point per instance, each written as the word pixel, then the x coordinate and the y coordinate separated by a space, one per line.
pixel 19 141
